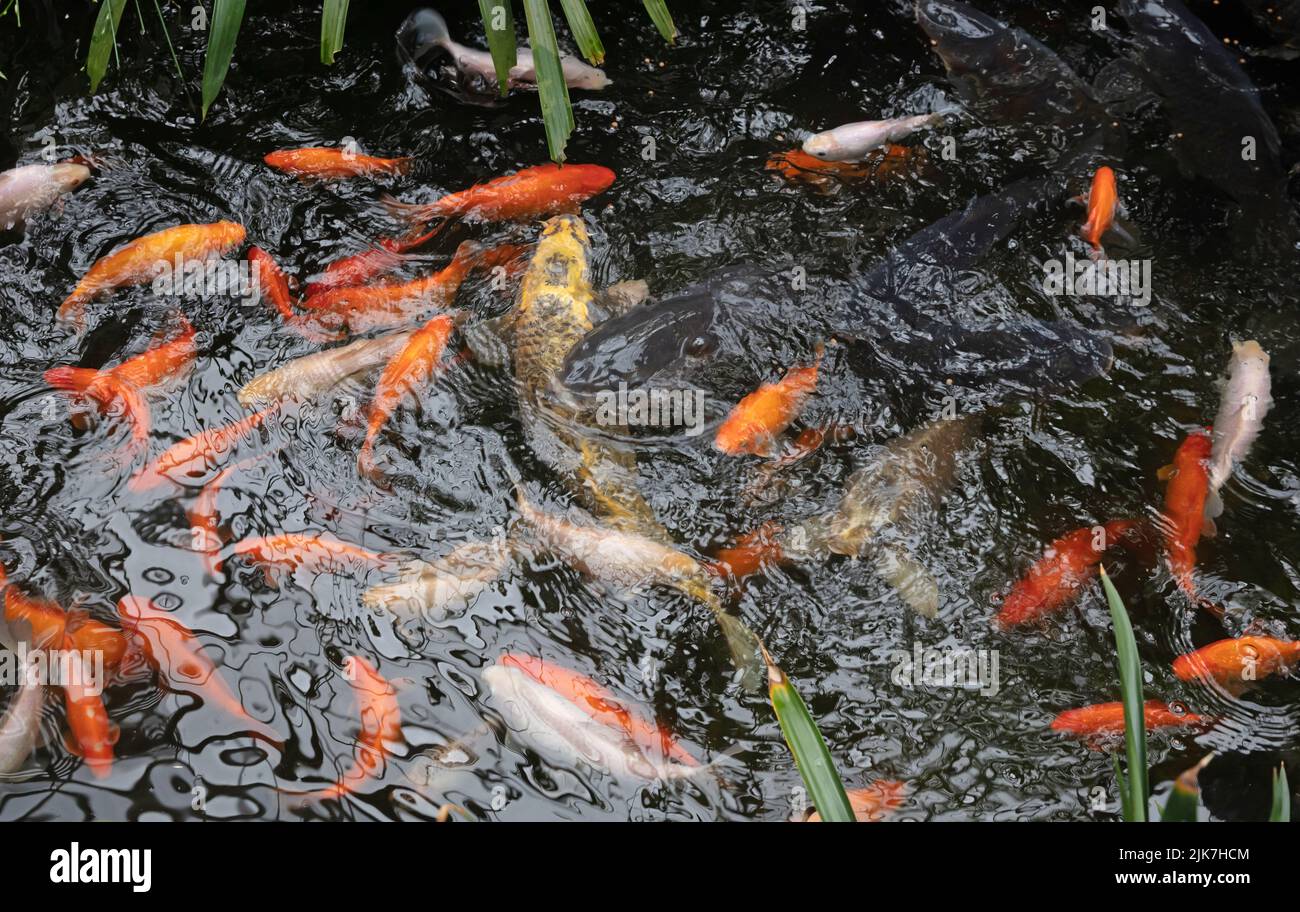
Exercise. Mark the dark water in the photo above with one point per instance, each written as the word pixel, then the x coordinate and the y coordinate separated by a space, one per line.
pixel 739 85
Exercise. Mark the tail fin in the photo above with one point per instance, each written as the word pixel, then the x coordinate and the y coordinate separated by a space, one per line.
pixel 416 213
pixel 71 379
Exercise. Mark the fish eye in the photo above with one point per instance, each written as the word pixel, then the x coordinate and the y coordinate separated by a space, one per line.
pixel 701 345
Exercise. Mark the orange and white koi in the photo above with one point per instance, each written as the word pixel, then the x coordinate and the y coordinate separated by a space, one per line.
pixel 381 724
pixel 141 260
pixel 196 456
pixel 295 550
pixel 326 162
pixel 92 734
pixel 1056 579
pixel 410 367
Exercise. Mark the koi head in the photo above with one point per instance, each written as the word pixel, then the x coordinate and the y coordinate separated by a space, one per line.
pixel 590 179
pixel 69 175
pixel 961 35
pixel 229 234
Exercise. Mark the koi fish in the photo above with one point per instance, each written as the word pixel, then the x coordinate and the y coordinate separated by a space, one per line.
pixel 333 163
pixel 1247 397
pixel 381 722
pixel 296 550
pixel 851 142
pixel 92 734
pixel 437 588
pixel 139 261
pixel 385 256
pixel 204 532
pixel 425 30
pixel 601 705
pixel 44 619
pixel 178 657
pixel 567 725
pixel 20 727
pixel 272 281
pixel 1184 519
pixel 798 167
pixel 1238 663
pixel 126 382
pixel 1103 201
pixel 197 455
pixel 29 189
pixel 89 636
pixel 410 367
pixel 1056 579
pixel 1107 719
pixel 312 375
pixel 754 423
pixel 874 803
pixel 750 553
pixel 526 195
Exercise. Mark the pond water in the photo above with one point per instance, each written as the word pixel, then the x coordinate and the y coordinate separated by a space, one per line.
pixel 688 130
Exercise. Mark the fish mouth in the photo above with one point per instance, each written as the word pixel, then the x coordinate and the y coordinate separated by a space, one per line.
pixel 949 22
pixel 420 34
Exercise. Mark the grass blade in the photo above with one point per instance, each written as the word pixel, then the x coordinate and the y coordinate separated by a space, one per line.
pixel 662 19
pixel 103 40
pixel 809 748
pixel 333 22
pixel 1125 799
pixel 227 15
pixel 1185 797
pixel 552 91
pixel 1130 685
pixel 499 26
pixel 584 30
pixel 1281 812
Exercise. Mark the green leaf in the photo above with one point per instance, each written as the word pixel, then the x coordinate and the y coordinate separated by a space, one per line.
pixel 584 31
pixel 227 15
pixel 333 22
pixel 1185 797
pixel 1130 685
pixel 1125 802
pixel 809 748
pixel 103 39
pixel 552 91
pixel 501 41
pixel 662 19
pixel 1281 812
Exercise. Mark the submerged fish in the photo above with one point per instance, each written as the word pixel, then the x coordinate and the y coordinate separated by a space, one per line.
pixel 1184 519
pixel 1247 397
pixel 29 189
pixel 425 31
pixel 1107 719
pixel 314 552
pixel 874 803
pixel 1056 579
pixel 329 162
pixel 901 487
pixel 310 376
pixel 194 457
pixel 531 193
pixel 20 728
pixel 434 589
pixel 381 724
pixel 413 365
pixel 798 167
pixel 356 269
pixel 1238 663
pixel 126 383
pixel 271 281
pixel 140 261
pixel 567 731
pixel 1103 201
pixel 852 141
pixel 92 735
pixel 753 425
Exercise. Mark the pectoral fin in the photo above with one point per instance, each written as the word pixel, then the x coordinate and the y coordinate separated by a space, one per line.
pixel 913 582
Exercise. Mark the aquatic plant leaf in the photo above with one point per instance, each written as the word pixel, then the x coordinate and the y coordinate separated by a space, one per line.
pixel 1185 796
pixel 103 39
pixel 1130 685
pixel 1281 812
pixel 662 19
pixel 333 22
pixel 552 91
pixel 805 740
pixel 501 40
pixel 584 31
pixel 223 29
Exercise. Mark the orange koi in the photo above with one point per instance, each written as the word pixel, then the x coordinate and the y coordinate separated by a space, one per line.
pixel 532 193
pixel 178 657
pixel 1056 579
pixel 141 260
pixel 602 706
pixel 204 532
pixel 197 455
pixel 92 734
pixel 381 722
pixel 334 163
pixel 413 365
pixel 1238 663
pixel 750 553
pixel 1103 200
pixel 798 167
pixel 1103 719
pixel 126 382
pixel 387 255
pixel 304 550
pixel 1184 519
pixel 875 802
pixel 272 281
pixel 757 419
pixel 46 620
